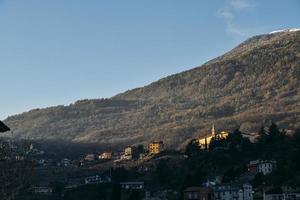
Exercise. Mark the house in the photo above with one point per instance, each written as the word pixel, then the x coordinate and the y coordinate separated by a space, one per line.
pixel 213 181
pixel 261 166
pixel 34 151
pixel 233 192
pixel 161 194
pixel 106 155
pixel 130 152
pixel 283 193
pixel 66 162
pixel 132 189
pixel 93 180
pixel 42 190
pixel 42 162
pixel 290 188
pixel 293 196
pixel 198 193
pixel 205 141
pixel 138 185
pixel 90 157
pixel 97 179
pixel 19 158
pixel 156 147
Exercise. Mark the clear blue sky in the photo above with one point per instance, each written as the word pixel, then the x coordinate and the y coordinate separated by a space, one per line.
pixel 54 52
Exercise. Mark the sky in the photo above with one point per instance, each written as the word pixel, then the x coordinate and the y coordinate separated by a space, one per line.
pixel 54 52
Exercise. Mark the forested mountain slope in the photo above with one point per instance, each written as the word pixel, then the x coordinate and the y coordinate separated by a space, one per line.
pixel 256 82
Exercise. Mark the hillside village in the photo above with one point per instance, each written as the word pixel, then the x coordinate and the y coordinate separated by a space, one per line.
pixel 154 173
pixel 150 100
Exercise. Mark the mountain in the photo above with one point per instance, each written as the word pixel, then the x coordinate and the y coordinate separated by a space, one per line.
pixel 253 84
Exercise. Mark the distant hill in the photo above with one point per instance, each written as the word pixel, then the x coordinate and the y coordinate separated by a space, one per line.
pixel 256 82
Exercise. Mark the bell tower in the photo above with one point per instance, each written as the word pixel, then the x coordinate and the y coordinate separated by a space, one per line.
pixel 213 131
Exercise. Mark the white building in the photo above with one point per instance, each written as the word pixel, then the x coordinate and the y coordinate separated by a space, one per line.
pixel 132 185
pixel 262 166
pixel 41 190
pixel 279 194
pixel 233 192
pixel 66 162
pixel 97 179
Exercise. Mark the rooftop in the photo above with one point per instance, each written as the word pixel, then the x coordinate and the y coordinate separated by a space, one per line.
pixel 200 189
pixel 132 183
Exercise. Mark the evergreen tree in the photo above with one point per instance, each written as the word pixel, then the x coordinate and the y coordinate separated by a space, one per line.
pixel 192 148
pixel 119 174
pixel 274 131
pixel 235 140
pixel 262 134
pixel 296 137
pixel 135 195
pixel 116 192
pixel 163 172
pixel 140 149
pixel 258 180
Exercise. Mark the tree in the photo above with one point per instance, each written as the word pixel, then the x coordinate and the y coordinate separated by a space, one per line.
pixel 14 174
pixel 192 148
pixel 163 172
pixel 274 133
pixel 57 187
pixel 135 195
pixel 296 137
pixel 140 149
pixel 262 134
pixel 194 177
pixel 235 140
pixel 119 174
pixel 258 180
pixel 230 175
pixel 116 192
pixel 217 143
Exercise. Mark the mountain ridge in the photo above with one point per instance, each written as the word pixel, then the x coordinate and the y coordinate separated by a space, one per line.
pixel 252 84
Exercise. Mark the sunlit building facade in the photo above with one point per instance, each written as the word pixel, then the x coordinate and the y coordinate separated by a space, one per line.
pixel 205 141
pixel 156 147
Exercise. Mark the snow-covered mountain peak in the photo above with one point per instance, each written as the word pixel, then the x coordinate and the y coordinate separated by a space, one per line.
pixel 285 30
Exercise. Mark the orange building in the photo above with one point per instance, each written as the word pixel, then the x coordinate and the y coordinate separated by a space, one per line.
pixel 156 147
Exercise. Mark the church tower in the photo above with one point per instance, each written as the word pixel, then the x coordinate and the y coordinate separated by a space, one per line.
pixel 213 131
